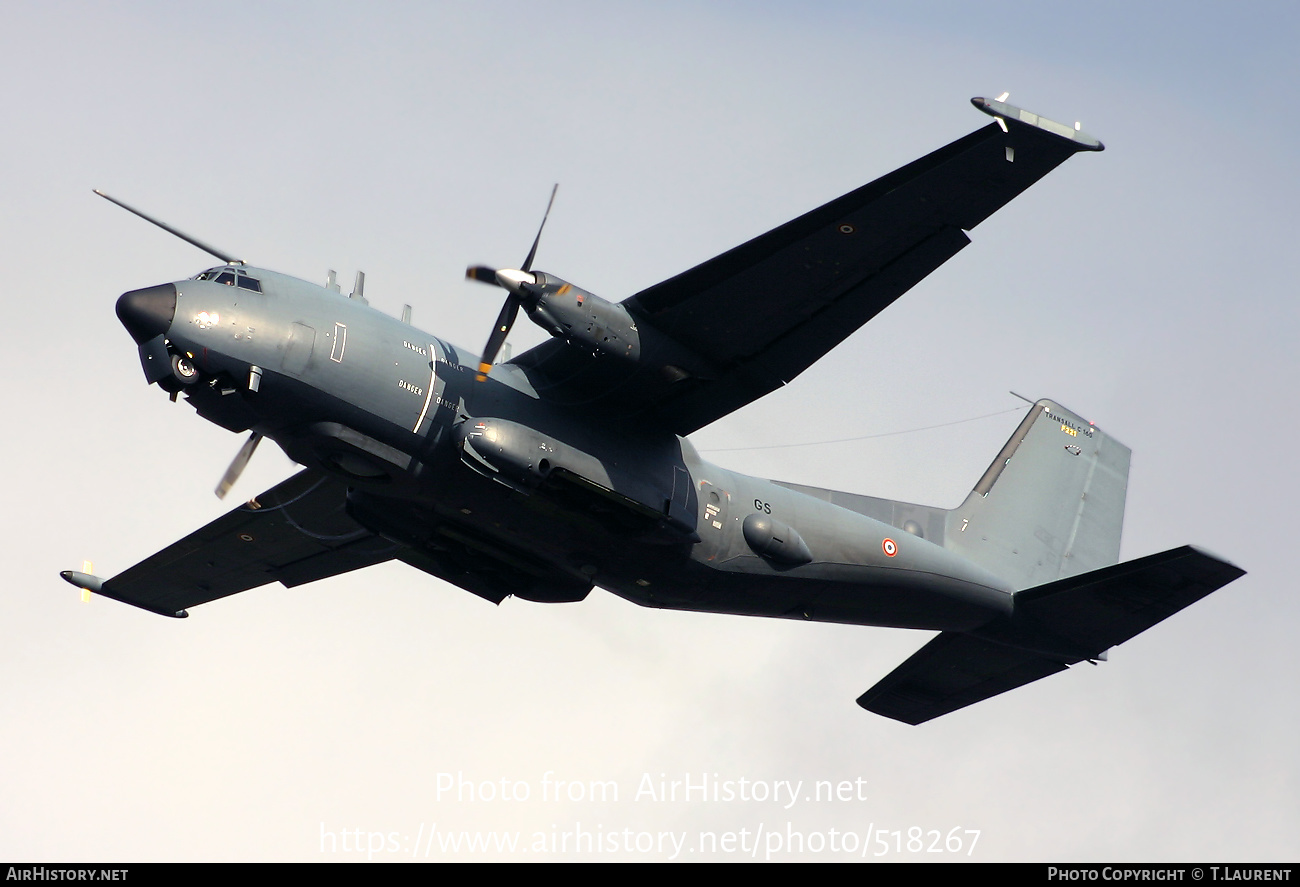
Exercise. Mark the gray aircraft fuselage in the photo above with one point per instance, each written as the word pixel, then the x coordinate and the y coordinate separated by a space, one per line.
pixel 557 495
pixel 568 467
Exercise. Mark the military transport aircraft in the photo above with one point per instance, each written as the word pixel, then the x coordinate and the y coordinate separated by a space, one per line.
pixel 569 467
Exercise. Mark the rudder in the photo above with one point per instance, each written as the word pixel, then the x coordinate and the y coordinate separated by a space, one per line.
pixel 1050 506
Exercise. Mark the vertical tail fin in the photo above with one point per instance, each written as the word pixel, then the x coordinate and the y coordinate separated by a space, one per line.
pixel 1050 506
pixel 1046 517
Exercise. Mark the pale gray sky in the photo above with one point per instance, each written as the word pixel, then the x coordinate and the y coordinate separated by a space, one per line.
pixel 1151 287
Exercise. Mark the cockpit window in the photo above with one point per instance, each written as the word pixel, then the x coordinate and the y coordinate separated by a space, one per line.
pixel 231 277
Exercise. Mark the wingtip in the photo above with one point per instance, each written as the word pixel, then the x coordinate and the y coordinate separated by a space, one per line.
pixel 79 579
pixel 1002 112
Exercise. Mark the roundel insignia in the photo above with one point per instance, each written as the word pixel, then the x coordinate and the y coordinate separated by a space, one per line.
pixel 890 547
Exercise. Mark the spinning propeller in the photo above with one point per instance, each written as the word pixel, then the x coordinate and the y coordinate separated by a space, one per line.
pixel 238 465
pixel 142 309
pixel 512 280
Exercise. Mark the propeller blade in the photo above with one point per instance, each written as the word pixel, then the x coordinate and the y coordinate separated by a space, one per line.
pixel 505 320
pixel 513 281
pixel 237 467
pixel 224 256
pixel 482 273
pixel 532 253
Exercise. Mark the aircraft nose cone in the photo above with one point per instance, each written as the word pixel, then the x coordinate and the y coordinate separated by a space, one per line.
pixel 148 312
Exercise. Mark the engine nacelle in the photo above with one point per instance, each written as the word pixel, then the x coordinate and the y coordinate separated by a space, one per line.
pixel 582 318
pixel 656 502
pixel 521 457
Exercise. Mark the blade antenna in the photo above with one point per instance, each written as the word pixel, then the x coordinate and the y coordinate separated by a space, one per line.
pixel 192 241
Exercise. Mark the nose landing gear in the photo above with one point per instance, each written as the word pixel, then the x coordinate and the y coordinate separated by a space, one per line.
pixel 183 370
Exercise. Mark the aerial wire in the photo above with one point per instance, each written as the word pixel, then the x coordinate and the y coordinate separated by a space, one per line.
pixel 863 437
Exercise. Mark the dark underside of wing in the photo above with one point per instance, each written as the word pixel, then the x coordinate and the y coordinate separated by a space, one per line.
pixel 756 316
pixel 294 533
pixel 1055 626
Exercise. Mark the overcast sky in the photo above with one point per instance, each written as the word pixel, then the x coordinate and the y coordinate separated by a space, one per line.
pixel 1151 287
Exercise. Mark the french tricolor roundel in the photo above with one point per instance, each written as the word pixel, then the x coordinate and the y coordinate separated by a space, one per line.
pixel 890 547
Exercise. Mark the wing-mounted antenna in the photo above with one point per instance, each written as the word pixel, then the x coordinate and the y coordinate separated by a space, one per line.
pixel 224 256
pixel 512 281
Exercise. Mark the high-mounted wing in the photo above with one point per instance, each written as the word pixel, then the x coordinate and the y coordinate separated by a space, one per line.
pixel 296 532
pixel 760 314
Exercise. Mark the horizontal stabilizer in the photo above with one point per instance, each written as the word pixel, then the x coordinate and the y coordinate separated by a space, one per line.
pixel 953 671
pixel 1102 609
pixel 1053 626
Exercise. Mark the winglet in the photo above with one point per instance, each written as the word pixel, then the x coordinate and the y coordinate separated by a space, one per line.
pixel 1004 113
